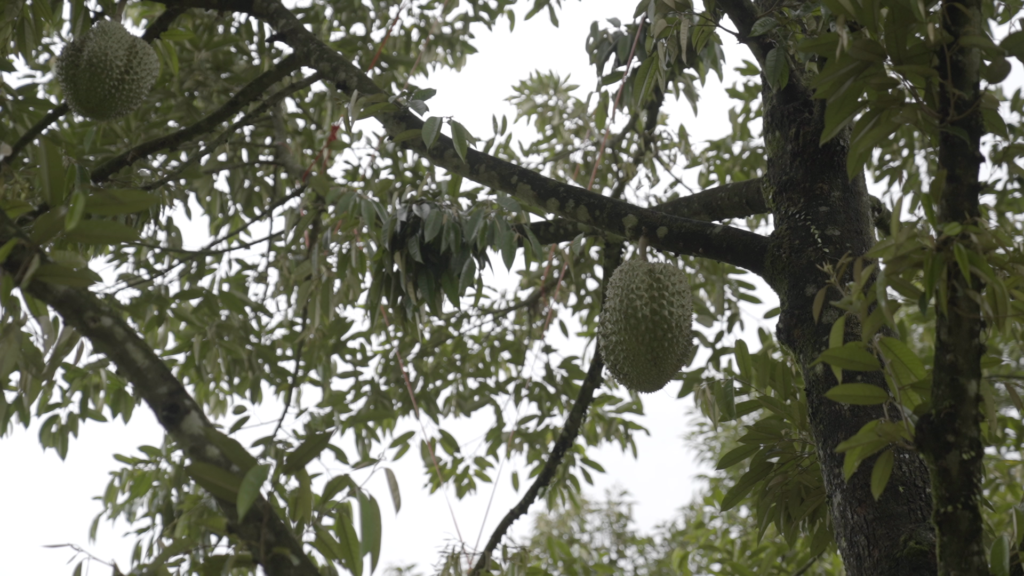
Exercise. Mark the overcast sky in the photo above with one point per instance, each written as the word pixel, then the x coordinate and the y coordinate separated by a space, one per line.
pixel 50 502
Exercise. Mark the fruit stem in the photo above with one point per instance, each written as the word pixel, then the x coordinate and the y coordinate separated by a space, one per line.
pixel 642 248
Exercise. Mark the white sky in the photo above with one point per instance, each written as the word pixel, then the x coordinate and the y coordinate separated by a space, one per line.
pixel 51 502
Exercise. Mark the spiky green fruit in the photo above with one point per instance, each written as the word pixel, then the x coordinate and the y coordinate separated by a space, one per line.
pixel 646 326
pixel 107 72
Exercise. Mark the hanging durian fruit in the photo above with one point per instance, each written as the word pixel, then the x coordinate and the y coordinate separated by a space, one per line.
pixel 646 326
pixel 107 72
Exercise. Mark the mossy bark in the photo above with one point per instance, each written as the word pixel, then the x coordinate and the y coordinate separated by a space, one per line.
pixel 820 215
pixel 949 435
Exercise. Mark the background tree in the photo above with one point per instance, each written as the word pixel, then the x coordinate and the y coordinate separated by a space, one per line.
pixel 881 415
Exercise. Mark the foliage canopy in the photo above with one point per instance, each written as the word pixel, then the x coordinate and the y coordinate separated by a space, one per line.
pixel 355 238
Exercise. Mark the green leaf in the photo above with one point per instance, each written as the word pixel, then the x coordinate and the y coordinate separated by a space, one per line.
pixel 460 137
pixel 837 334
pixel 819 302
pixel 997 70
pixel 776 68
pixel 824 44
pixel 335 485
pixel 1014 44
pixel 306 452
pixel 5 250
pixel 48 225
pixel 858 394
pixel 65 276
pixel 872 129
pixel 103 232
pixel 854 456
pixel 423 94
pixel 75 211
pixel 880 473
pixel 999 556
pixel 963 261
pixel 872 437
pixel 432 225
pixel 745 484
pixel 867 49
pixel 177 35
pixel 329 546
pixel 743 363
pixel 507 243
pixel 841 109
pixel 468 276
pixel 601 114
pixel 419 107
pixel 370 529
pixel 407 135
pixel 448 442
pixel 217 481
pixel 396 496
pixel 851 356
pixel 763 26
pixel 249 490
pixel 905 366
pixel 231 448
pixel 431 130
pixel 454 185
pixel 114 202
pixel 842 7
pixel 646 76
pixel 737 455
pixel 346 532
pixel 725 399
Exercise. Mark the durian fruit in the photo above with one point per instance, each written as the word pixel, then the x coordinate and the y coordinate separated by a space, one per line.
pixel 107 72
pixel 646 327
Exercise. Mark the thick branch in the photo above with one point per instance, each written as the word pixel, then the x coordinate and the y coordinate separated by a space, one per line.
pixel 271 541
pixel 733 200
pixel 682 236
pixel 249 93
pixel 743 14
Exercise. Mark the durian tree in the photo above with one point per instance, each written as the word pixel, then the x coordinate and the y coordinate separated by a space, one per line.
pixel 871 178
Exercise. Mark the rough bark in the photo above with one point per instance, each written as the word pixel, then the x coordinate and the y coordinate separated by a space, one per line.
pixel 949 436
pixel 820 215
pixel 733 200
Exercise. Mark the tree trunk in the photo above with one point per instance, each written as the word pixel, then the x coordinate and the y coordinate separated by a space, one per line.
pixel 820 215
pixel 955 460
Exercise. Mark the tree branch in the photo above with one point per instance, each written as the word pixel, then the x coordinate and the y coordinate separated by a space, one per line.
pixel 268 538
pixel 743 14
pixel 612 259
pixel 245 120
pixel 680 235
pixel 733 200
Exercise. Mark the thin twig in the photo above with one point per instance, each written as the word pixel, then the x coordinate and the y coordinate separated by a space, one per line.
pixel 243 98
pixel 612 259
pixel 245 120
